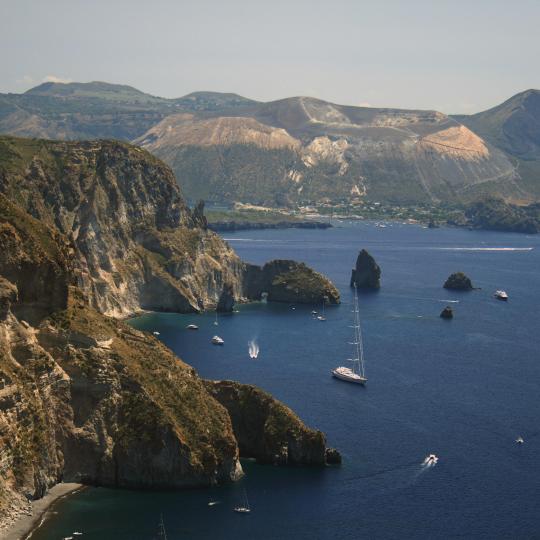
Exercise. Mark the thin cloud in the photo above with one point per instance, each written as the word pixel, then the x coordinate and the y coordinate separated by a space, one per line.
pixel 55 79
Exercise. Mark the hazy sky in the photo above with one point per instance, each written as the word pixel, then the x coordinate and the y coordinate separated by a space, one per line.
pixel 454 56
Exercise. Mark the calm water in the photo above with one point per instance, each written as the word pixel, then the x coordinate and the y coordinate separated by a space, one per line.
pixel 463 389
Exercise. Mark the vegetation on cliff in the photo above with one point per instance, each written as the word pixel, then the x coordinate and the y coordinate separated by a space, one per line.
pixel 496 215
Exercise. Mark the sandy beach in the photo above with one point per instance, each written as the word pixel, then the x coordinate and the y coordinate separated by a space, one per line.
pixel 26 523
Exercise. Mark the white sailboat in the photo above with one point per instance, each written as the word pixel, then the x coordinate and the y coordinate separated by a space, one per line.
pixel 322 316
pixel 355 373
pixel 244 509
pixel 162 533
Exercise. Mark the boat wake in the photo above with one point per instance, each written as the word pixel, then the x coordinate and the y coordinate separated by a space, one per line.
pixel 483 248
pixel 253 348
pixel 397 477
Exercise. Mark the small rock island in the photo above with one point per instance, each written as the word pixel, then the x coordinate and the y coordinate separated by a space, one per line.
pixel 458 281
pixel 367 273
pixel 447 313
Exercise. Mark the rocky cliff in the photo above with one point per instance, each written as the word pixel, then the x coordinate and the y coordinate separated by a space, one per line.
pixel 84 397
pixel 136 244
pixel 86 230
pixel 266 429
pixel 288 281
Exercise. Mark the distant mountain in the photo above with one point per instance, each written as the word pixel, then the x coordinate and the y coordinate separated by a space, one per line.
pixel 224 147
pixel 212 101
pixel 514 127
pixel 303 150
pixel 78 111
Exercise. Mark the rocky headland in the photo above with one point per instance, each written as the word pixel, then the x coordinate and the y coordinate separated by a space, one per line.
pixel 288 281
pixel 89 233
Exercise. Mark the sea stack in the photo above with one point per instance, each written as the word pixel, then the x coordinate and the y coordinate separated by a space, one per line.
pixel 367 273
pixel 458 281
pixel 447 313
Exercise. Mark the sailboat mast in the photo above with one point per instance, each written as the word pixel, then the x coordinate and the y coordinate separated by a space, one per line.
pixel 162 531
pixel 358 335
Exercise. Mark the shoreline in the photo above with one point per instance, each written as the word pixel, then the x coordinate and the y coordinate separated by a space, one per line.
pixel 25 525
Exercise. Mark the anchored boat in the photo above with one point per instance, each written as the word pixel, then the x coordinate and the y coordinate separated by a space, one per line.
pixel 356 373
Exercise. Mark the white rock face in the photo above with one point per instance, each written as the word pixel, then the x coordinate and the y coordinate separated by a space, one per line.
pixel 323 149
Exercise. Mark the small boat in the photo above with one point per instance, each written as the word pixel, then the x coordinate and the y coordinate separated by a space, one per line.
pixel 356 373
pixel 244 509
pixel 213 503
pixel 162 533
pixel 431 460
pixel 314 312
pixel 520 440
pixel 322 316
pixel 192 327
pixel 216 340
pixel 501 295
pixel 155 334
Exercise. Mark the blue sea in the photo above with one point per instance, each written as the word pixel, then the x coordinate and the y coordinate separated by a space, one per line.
pixel 462 389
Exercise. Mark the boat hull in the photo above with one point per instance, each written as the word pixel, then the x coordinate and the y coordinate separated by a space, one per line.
pixel 348 378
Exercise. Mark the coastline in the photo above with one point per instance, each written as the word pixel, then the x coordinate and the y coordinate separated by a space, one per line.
pixel 25 524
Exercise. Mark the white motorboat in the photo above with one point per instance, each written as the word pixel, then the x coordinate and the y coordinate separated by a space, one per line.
pixel 355 373
pixel 192 327
pixel 501 295
pixel 155 333
pixel 213 503
pixel 216 340
pixel 244 508
pixel 520 440
pixel 431 459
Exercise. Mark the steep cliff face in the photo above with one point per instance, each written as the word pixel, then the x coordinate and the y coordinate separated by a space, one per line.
pixel 86 398
pixel 136 244
pixel 88 229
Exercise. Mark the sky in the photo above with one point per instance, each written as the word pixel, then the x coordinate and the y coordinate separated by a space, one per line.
pixel 453 56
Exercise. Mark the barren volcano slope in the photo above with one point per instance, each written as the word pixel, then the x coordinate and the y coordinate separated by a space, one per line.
pixel 302 150
pixel 514 127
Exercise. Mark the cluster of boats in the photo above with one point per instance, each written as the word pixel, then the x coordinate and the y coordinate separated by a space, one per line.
pixel 76 533
pixel 216 340
pixel 355 372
